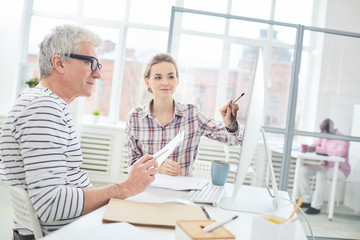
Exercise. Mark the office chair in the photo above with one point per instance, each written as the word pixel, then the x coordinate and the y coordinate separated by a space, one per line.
pixel 24 211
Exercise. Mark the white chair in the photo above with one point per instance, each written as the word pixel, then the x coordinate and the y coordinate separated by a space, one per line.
pixel 24 210
pixel 201 169
pixel 210 150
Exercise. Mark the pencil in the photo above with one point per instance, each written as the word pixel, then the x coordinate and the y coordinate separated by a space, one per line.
pixel 237 99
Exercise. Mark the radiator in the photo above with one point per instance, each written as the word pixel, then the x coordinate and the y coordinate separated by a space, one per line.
pixel 103 153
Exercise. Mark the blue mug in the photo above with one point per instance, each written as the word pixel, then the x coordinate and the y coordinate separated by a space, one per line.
pixel 219 172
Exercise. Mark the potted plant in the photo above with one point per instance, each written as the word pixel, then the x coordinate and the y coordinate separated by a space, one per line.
pixel 96 114
pixel 32 82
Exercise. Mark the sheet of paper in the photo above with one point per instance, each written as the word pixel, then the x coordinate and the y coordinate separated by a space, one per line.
pixel 121 230
pixel 178 182
pixel 165 152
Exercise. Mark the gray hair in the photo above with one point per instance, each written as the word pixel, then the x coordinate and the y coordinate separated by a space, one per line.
pixel 63 40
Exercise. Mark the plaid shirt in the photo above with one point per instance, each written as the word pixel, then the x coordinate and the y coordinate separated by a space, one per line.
pixel 145 135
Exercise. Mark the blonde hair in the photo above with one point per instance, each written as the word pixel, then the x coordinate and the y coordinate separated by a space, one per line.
pixel 159 58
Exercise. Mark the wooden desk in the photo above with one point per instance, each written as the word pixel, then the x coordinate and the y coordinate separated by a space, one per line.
pixel 317 158
pixel 241 227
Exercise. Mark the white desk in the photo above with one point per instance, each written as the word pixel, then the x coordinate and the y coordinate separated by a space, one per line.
pixel 317 158
pixel 241 227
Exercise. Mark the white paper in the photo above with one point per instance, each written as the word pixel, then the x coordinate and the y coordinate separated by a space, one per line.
pixel 165 152
pixel 120 230
pixel 178 182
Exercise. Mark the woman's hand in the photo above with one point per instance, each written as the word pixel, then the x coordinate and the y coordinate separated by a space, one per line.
pixel 228 113
pixel 170 167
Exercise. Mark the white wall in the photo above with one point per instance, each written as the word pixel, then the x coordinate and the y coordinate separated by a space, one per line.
pixel 343 15
pixel 355 131
pixel 339 85
pixel 10 22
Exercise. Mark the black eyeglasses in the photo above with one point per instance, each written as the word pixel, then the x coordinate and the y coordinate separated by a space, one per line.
pixel 94 62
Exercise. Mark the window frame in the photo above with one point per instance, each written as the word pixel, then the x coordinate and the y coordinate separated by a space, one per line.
pixel 289 131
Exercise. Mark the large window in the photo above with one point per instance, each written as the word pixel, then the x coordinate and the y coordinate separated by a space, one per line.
pixel 227 70
pixel 135 30
pixel 131 32
pixel 216 56
pixel 300 92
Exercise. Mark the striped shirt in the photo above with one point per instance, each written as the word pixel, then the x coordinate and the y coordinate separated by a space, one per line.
pixel 41 153
pixel 145 135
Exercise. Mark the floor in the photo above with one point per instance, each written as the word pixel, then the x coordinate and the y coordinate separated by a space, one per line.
pixel 345 223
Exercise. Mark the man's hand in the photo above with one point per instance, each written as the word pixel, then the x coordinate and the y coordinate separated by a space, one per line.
pixel 170 167
pixel 228 113
pixel 141 175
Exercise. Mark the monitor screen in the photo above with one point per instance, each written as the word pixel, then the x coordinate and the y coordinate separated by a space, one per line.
pixel 249 144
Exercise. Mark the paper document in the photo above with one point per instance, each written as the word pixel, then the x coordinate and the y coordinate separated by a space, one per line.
pixel 165 152
pixel 178 182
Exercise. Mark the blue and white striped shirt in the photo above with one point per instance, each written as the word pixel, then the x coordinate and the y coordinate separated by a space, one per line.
pixel 41 153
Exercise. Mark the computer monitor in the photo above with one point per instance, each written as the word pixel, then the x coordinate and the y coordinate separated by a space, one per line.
pixel 250 140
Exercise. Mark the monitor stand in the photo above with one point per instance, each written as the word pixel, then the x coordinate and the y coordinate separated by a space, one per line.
pixel 251 205
pixel 259 202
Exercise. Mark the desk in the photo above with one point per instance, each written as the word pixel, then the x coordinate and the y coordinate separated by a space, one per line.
pixel 317 158
pixel 241 227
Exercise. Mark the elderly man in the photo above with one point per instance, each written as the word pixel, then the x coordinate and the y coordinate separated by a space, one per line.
pixel 39 147
pixel 329 147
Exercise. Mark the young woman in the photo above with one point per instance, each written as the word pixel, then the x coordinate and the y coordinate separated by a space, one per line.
pixel 151 126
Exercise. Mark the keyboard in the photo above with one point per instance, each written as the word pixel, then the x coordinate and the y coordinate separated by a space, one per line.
pixel 208 194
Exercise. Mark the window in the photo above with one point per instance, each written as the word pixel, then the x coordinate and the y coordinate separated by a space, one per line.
pixel 106 9
pixel 327 73
pixel 135 30
pixel 107 54
pixel 252 8
pixel 335 90
pixel 141 45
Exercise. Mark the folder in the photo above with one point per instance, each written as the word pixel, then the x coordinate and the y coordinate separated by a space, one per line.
pixel 162 215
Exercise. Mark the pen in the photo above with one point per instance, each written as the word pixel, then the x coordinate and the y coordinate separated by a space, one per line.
pixel 205 212
pixel 219 224
pixel 298 204
pixel 237 99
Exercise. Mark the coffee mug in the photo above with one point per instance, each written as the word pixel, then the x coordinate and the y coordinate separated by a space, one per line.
pixel 304 148
pixel 219 172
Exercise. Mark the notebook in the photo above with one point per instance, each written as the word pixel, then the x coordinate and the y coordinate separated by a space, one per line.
pixel 150 214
